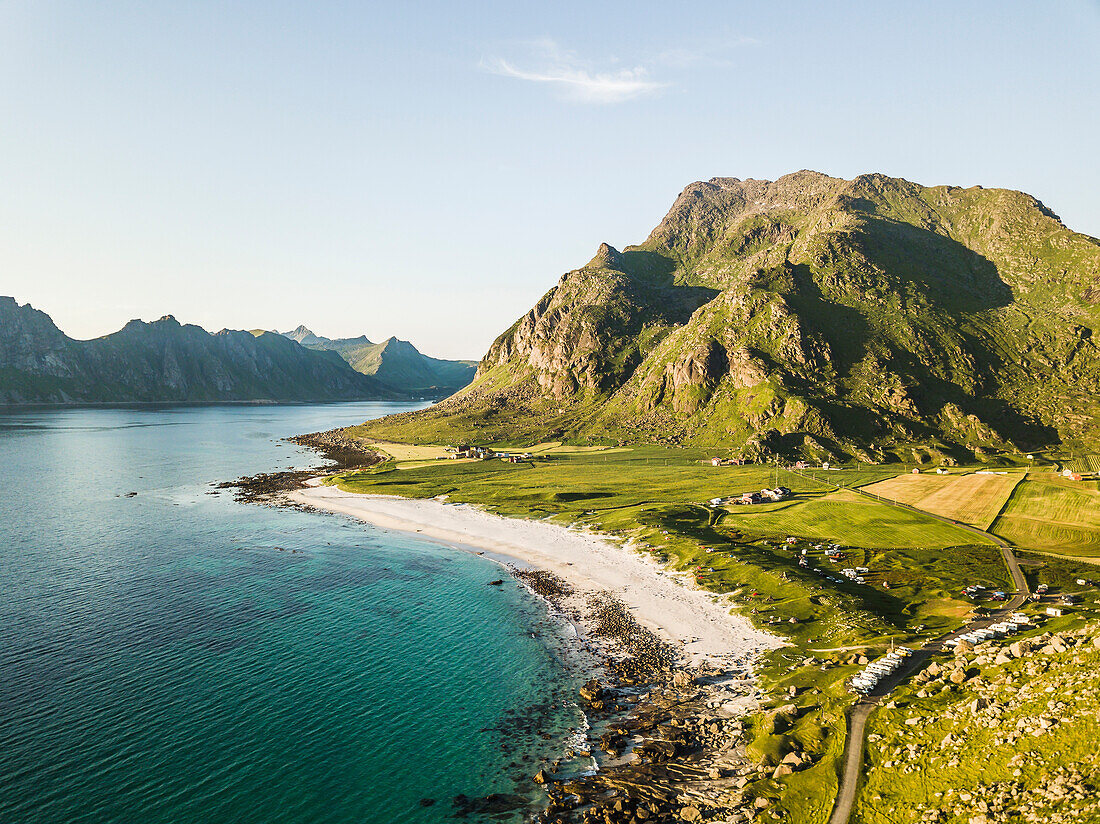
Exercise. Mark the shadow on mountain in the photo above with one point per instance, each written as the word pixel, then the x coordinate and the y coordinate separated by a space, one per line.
pixel 954 277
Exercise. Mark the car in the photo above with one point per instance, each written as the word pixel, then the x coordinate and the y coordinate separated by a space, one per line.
pixel 1041 589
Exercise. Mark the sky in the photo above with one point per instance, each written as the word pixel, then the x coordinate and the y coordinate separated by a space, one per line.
pixel 429 170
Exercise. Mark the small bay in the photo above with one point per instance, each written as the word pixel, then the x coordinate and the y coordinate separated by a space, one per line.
pixel 175 656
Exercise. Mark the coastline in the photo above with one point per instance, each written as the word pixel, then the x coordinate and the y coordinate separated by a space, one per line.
pixel 665 710
pixel 696 624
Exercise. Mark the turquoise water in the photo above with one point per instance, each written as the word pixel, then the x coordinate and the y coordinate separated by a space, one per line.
pixel 178 657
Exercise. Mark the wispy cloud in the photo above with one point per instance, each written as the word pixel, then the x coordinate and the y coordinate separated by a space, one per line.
pixel 575 78
pixel 543 60
pixel 580 84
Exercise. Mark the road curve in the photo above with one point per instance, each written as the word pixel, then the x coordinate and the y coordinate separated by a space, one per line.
pixel 862 709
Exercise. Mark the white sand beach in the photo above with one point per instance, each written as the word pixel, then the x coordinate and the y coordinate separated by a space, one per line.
pixel 696 621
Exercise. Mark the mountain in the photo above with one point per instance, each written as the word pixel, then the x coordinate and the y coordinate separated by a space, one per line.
pixel 164 361
pixel 396 364
pixel 811 316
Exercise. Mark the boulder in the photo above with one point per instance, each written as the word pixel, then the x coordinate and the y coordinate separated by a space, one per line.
pixel 958 676
pixel 690 814
pixel 782 770
pixel 592 691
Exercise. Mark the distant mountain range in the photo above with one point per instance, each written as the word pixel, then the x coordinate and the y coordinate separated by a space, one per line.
pixel 396 364
pixel 813 316
pixel 165 361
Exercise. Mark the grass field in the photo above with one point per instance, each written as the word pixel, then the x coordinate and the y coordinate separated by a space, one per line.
pixel 972 499
pixel 1053 514
pixel 848 518
pixel 1084 464
pixel 655 496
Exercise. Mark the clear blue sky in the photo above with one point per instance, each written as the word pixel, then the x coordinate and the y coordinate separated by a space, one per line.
pixel 430 169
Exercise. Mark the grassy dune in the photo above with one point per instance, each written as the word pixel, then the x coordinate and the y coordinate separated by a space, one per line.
pixel 972 499
pixel 1053 514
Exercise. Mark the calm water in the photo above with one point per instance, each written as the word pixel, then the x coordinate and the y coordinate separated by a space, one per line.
pixel 178 657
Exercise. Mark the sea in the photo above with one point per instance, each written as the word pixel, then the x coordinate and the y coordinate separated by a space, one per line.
pixel 170 655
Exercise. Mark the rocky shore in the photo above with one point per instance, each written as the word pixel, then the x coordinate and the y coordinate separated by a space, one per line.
pixel 668 738
pixel 341 452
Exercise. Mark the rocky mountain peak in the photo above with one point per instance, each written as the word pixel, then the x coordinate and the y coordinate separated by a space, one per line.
pixel 607 257
pixel 300 332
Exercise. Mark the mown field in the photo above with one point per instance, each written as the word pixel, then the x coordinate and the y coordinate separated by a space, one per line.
pixel 847 518
pixel 971 498
pixel 1053 514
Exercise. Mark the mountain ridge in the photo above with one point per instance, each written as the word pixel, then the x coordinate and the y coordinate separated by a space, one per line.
pixel 164 361
pixel 395 363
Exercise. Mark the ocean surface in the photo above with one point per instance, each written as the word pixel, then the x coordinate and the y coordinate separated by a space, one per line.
pixel 174 656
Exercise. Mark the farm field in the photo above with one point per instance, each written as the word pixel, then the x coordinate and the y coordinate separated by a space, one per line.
pixel 972 499
pixel 1053 514
pixel 408 452
pixel 847 518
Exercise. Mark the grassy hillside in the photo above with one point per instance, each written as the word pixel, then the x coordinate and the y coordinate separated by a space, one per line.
pixel 1016 741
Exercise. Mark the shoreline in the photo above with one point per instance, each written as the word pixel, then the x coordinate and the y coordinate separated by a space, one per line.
pixel 700 628
pixel 671 665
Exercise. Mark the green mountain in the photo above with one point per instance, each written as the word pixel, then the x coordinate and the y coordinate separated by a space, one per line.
pixel 396 364
pixel 808 316
pixel 164 361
